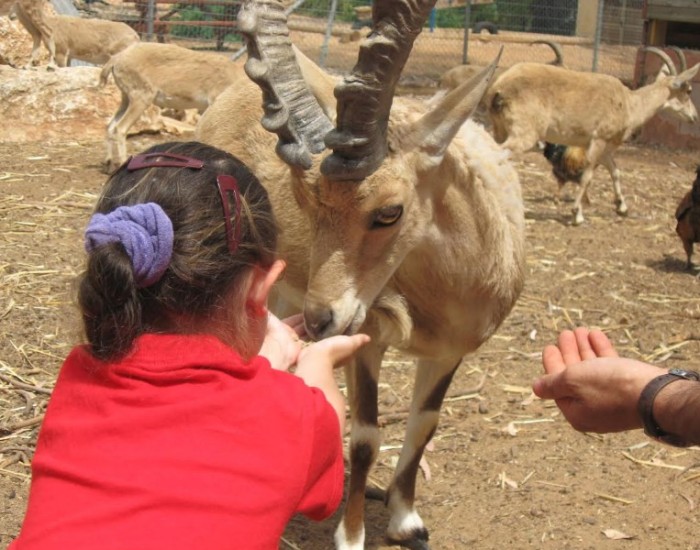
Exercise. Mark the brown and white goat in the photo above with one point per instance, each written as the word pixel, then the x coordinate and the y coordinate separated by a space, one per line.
pixel 66 38
pixel 165 75
pixel 410 230
pixel 532 102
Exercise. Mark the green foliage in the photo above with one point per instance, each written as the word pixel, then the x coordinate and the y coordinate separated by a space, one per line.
pixel 507 14
pixel 191 13
pixel 514 16
pixel 188 12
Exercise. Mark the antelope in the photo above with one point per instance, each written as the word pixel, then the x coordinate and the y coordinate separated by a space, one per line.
pixel 67 38
pixel 532 102
pixel 399 221
pixel 165 75
pixel 459 73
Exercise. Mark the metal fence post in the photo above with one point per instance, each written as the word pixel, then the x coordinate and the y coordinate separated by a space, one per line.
pixel 327 36
pixel 150 18
pixel 467 24
pixel 598 32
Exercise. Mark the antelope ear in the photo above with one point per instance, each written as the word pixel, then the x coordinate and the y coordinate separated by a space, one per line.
pixel 319 82
pixel 686 76
pixel 435 130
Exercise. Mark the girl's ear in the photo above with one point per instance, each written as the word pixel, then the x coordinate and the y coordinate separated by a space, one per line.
pixel 261 285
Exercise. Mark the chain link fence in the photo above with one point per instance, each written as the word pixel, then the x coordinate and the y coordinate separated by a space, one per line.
pixel 593 35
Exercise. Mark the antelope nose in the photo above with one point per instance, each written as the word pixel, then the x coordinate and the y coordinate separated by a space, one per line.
pixel 318 320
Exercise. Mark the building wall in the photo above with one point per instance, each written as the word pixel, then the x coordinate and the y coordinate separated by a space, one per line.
pixel 587 18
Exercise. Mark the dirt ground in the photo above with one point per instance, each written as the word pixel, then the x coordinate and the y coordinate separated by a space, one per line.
pixel 506 470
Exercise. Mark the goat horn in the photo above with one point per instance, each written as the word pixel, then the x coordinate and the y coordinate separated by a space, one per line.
pixel 664 57
pixel 559 61
pixel 291 111
pixel 359 140
pixel 681 57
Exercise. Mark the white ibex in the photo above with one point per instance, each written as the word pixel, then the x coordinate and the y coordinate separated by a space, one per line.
pixel 410 230
pixel 66 38
pixel 531 102
pixel 165 75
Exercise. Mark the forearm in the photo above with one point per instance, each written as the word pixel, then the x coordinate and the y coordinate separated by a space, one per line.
pixel 321 376
pixel 677 410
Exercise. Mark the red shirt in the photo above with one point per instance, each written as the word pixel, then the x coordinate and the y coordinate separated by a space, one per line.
pixel 181 445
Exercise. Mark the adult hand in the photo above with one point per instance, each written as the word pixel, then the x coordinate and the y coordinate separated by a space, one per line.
pixel 596 390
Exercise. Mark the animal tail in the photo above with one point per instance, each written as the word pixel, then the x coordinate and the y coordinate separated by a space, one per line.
pixel 106 71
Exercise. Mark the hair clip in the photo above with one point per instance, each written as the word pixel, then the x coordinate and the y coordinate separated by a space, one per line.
pixel 228 189
pixel 227 185
pixel 164 159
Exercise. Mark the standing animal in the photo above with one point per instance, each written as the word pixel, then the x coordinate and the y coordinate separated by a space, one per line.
pixel 531 102
pixel 461 73
pixel 67 38
pixel 399 220
pixel 688 218
pixel 166 75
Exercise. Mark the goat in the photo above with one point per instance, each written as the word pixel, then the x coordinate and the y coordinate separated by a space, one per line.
pixel 66 38
pixel 411 230
pixel 461 73
pixel 166 75
pixel 688 218
pixel 531 102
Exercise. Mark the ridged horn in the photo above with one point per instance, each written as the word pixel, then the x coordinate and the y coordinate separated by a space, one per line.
pixel 681 57
pixel 664 57
pixel 556 48
pixel 291 111
pixel 365 96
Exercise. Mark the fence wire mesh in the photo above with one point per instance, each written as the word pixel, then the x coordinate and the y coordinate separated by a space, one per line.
pixel 593 35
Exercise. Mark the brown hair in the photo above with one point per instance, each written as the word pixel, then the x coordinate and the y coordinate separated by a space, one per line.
pixel 202 270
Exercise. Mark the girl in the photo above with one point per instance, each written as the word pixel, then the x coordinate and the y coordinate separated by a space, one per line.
pixel 168 428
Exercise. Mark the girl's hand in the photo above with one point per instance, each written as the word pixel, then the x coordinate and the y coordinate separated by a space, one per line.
pixel 282 342
pixel 335 349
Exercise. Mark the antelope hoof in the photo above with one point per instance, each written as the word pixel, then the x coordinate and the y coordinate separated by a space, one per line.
pixel 578 217
pixel 418 540
pixel 621 208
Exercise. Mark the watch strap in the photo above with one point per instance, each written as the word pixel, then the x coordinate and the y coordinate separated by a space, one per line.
pixel 645 405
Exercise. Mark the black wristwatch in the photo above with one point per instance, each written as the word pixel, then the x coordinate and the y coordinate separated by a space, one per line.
pixel 645 405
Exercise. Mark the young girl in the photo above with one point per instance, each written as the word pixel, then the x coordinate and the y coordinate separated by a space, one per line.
pixel 168 429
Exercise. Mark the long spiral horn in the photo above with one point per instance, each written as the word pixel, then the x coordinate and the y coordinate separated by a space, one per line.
pixel 291 110
pixel 359 141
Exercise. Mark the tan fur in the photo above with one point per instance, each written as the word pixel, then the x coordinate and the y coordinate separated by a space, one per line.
pixel 436 284
pixel 461 73
pixel 67 38
pixel 531 102
pixel 166 75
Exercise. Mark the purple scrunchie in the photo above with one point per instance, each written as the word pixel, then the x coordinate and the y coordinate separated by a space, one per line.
pixel 145 231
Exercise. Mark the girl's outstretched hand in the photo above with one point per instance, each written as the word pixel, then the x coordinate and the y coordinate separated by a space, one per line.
pixel 335 349
pixel 282 342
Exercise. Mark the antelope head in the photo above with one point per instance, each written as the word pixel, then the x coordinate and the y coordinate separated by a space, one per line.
pixel 680 102
pixel 367 179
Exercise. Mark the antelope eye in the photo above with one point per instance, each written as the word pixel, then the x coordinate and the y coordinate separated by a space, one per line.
pixel 388 215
